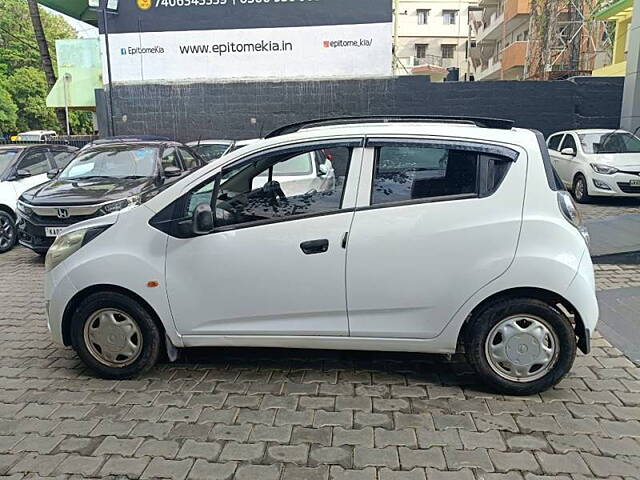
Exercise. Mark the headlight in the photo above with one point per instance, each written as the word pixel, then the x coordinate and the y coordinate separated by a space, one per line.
pixel 22 208
pixel 121 204
pixel 66 245
pixel 572 214
pixel 604 169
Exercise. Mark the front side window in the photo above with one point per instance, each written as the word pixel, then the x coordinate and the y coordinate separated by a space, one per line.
pixel 569 142
pixel 405 172
pixel 272 187
pixel 612 142
pixel 61 158
pixel 170 158
pixel 449 17
pixel 6 157
pixel 126 161
pixel 36 163
pixel 423 17
pixel 190 162
pixel 554 142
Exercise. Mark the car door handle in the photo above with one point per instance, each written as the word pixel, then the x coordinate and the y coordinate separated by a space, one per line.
pixel 315 246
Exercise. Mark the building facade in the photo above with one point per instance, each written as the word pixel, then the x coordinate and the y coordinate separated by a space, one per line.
pixel 432 36
pixel 620 12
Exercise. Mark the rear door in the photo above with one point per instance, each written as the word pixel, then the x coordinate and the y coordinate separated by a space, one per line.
pixel 570 163
pixel 559 161
pixel 435 221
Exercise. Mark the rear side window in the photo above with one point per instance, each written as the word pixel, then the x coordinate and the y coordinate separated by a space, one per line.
pixel 554 142
pixel 569 142
pixel 62 158
pixel 407 172
pixel 190 162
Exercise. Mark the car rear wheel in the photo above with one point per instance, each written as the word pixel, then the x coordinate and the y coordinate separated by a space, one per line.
pixel 115 336
pixel 520 346
pixel 8 232
pixel 580 190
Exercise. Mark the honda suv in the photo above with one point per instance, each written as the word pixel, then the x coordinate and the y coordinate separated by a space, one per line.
pixel 99 180
pixel 437 235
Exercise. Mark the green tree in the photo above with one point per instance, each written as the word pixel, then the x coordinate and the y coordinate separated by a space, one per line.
pixel 21 73
pixel 8 111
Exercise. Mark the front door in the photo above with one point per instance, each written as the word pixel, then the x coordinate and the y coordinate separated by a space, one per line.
pixel 435 222
pixel 36 162
pixel 274 264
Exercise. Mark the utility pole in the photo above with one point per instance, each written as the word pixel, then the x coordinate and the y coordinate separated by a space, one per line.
pixel 396 6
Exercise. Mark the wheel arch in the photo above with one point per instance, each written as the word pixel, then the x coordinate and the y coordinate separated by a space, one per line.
pixel 75 301
pixel 9 210
pixel 536 293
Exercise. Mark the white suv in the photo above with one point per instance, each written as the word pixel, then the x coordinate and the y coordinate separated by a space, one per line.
pixel 434 237
pixel 597 162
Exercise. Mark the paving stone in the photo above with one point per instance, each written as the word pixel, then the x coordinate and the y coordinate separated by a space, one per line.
pixel 363 404
pixel 607 466
pixel 246 452
pixel 37 443
pixel 457 459
pixel 447 438
pixel 162 468
pixel 333 419
pixel 445 422
pixel 203 470
pixel 430 457
pixel 118 446
pixel 121 466
pixel 294 472
pixel 565 463
pixel 331 456
pixel 194 449
pixel 415 474
pixel 464 474
pixel 263 433
pixel 262 472
pixel 320 436
pixel 569 443
pixel 80 465
pixel 376 457
pixel 614 446
pixel 36 463
pixel 339 473
pixel 508 461
pixel 364 419
pixel 288 454
pixel 362 437
pixel 491 439
pixel 289 417
pixel 617 429
pixel 149 429
pixel 524 442
pixel 158 448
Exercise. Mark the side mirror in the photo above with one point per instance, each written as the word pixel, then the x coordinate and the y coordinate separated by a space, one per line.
pixel 568 151
pixel 53 173
pixel 202 220
pixel 172 172
pixel 22 173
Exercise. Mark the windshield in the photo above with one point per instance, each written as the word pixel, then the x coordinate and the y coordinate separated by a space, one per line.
pixel 114 162
pixel 6 156
pixel 211 151
pixel 612 142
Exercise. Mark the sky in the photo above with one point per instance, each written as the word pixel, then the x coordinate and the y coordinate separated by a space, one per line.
pixel 84 29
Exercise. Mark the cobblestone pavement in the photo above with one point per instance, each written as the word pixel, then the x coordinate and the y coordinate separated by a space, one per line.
pixel 609 277
pixel 608 207
pixel 295 415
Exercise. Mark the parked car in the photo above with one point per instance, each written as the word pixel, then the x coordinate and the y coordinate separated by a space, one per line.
pixel 212 150
pixel 99 181
pixel 125 138
pixel 36 136
pixel 21 168
pixel 597 163
pixel 430 243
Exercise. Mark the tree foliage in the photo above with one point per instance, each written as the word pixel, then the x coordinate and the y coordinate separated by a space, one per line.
pixel 23 85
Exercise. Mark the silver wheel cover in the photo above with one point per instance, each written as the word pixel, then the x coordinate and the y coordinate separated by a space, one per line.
pixel 113 338
pixel 522 348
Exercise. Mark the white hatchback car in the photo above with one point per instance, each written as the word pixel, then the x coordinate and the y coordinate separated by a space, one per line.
pixel 428 241
pixel 597 162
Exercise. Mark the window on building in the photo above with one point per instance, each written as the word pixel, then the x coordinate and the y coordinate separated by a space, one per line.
pixel 448 50
pixel 449 17
pixel 423 16
pixel 525 35
pixel 421 50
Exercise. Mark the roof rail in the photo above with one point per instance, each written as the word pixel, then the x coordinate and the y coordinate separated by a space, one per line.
pixel 483 122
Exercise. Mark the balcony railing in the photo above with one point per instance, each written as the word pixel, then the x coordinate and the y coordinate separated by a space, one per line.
pixel 428 60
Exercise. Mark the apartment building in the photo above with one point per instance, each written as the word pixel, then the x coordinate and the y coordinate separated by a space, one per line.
pixel 501 31
pixel 432 36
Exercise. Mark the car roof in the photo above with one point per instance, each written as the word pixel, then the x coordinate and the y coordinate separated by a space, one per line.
pixel 36 132
pixel 151 143
pixel 209 142
pixel 586 131
pixel 33 145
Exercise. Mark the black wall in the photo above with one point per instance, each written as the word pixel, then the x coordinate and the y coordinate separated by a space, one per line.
pixel 225 110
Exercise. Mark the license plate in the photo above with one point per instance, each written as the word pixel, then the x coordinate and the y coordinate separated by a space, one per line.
pixel 52 231
pixel 634 183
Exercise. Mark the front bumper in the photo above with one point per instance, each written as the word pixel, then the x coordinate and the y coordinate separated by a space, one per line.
pixel 58 292
pixel 32 233
pixel 616 185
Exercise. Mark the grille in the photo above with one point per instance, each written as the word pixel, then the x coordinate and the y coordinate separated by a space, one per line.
pixel 626 188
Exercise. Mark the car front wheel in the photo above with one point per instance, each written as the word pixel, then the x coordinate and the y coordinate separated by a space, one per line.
pixel 8 232
pixel 520 346
pixel 580 190
pixel 115 336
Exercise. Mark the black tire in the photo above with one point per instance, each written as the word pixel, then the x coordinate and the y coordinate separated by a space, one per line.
pixel 479 328
pixel 581 192
pixel 8 232
pixel 151 334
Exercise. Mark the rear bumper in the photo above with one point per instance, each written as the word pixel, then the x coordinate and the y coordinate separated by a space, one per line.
pixel 582 295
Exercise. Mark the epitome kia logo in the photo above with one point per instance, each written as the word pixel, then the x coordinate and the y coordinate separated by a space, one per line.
pixel 142 50
pixel 123 51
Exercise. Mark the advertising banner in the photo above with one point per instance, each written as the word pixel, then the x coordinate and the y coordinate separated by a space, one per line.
pixel 190 40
